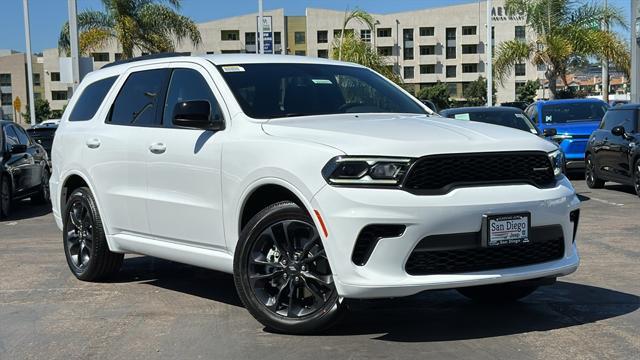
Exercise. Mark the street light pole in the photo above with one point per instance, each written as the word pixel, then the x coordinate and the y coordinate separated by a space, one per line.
pixel 605 63
pixel 73 39
pixel 260 28
pixel 27 35
pixel 635 53
pixel 489 49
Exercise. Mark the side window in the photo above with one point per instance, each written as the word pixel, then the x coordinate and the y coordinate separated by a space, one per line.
pixel 23 138
pixel 90 99
pixel 607 120
pixel 188 85
pixel 627 120
pixel 138 101
pixel 10 136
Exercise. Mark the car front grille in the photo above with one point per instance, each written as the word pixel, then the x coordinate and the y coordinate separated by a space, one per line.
pixel 460 253
pixel 439 174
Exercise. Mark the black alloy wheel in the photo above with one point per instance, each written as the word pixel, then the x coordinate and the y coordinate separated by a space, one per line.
pixel 636 177
pixel 591 177
pixel 282 272
pixel 84 240
pixel 5 197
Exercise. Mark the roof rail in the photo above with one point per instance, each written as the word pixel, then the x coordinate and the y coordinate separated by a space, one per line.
pixel 145 57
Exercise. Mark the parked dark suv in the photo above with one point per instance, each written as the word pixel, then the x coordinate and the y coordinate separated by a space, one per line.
pixel 613 152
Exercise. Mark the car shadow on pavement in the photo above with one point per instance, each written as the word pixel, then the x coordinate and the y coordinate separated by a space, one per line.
pixel 621 188
pixel 24 209
pixel 196 281
pixel 447 316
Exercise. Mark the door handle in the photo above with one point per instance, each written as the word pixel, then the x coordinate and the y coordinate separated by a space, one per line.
pixel 93 143
pixel 158 148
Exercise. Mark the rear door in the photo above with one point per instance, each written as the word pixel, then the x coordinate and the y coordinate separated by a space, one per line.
pixel 19 165
pixel 621 146
pixel 35 156
pixel 184 175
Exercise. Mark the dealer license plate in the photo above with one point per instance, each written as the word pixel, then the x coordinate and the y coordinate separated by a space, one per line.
pixel 510 229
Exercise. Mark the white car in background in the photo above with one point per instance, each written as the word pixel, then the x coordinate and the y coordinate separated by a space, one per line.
pixel 310 180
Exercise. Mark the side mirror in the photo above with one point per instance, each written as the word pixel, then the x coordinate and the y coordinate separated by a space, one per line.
pixel 195 114
pixel 618 131
pixel 549 132
pixel 18 149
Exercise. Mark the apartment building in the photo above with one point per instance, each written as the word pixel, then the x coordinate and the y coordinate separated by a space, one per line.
pixel 13 83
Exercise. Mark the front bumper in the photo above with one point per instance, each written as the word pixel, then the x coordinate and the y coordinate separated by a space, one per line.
pixel 347 210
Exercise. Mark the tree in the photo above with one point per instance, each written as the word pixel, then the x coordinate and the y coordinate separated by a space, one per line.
pixel 146 25
pixel 527 92
pixel 567 32
pixel 476 92
pixel 43 111
pixel 353 49
pixel 438 94
pixel 358 15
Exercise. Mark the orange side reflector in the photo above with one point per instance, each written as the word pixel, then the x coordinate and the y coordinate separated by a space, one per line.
pixel 324 228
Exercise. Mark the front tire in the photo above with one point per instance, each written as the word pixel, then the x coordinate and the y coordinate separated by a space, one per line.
pixel 85 244
pixel 282 273
pixel 636 176
pixel 43 195
pixel 591 175
pixel 498 293
pixel 5 197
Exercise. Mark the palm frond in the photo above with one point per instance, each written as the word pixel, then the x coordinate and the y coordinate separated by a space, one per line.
pixel 508 54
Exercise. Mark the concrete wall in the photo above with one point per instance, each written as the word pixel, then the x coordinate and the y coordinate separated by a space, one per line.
pixel 15 64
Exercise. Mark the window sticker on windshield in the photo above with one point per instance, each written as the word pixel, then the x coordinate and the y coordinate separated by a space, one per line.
pixel 461 116
pixel 322 81
pixel 234 68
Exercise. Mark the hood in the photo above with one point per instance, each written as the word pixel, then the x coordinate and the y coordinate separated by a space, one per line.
pixel 574 128
pixel 404 135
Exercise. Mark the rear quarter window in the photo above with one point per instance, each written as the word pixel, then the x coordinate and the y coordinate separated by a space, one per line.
pixel 90 99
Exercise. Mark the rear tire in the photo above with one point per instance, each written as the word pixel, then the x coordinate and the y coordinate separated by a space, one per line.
pixel 591 175
pixel 43 195
pixel 498 293
pixel 85 244
pixel 636 177
pixel 282 274
pixel 5 196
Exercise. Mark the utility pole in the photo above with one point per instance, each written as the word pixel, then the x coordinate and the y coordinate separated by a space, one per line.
pixel 605 62
pixel 635 53
pixel 260 28
pixel 73 39
pixel 27 35
pixel 489 49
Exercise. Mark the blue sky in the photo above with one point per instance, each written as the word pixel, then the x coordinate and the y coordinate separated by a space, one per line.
pixel 47 16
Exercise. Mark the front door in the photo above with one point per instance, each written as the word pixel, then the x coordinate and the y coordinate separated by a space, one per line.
pixel 183 171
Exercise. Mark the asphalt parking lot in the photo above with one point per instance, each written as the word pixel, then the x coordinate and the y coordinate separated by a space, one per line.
pixel 159 309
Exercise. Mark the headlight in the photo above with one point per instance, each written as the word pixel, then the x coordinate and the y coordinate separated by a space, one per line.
pixel 385 171
pixel 557 162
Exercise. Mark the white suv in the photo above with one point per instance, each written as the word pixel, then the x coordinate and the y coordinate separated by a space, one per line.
pixel 312 181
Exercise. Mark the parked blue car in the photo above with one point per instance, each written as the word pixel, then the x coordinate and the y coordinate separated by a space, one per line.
pixel 570 123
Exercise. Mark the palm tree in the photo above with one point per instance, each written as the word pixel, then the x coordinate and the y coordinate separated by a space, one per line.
pixel 146 25
pixel 351 48
pixel 567 32
pixel 359 15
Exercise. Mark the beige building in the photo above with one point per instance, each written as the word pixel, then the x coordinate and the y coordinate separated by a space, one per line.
pixel 445 44
pixel 13 83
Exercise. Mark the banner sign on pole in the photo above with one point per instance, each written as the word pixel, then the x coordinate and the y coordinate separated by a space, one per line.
pixel 267 34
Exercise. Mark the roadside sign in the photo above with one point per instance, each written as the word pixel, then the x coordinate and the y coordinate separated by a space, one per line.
pixel 17 104
pixel 267 34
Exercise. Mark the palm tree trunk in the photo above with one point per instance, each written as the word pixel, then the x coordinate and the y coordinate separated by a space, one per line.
pixel 552 79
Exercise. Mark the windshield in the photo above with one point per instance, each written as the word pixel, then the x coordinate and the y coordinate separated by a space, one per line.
pixel 572 112
pixel 266 91
pixel 515 120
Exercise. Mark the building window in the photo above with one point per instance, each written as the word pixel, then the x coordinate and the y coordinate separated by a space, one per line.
pixel 451 43
pixel 469 30
pixel 5 79
pixel 451 71
pixel 100 56
pixel 230 35
pixel 6 99
pixel 36 79
pixel 408 72
pixel 428 69
pixel 384 32
pixel 323 37
pixel 451 52
pixel 230 52
pixel 451 33
pixel 58 95
pixel 365 35
pixel 520 33
pixel 55 76
pixel 117 56
pixel 37 96
pixel 407 53
pixel 299 37
pixel 427 50
pixel 407 34
pixel 250 38
pixel 427 31
pixel 323 54
pixel 453 89
pixel 521 69
pixel 470 68
pixel 519 85
pixel 277 39
pixel 301 52
pixel 210 52
pixel 470 49
pixel 385 50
